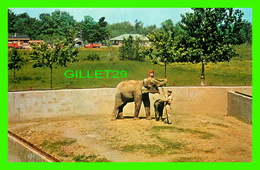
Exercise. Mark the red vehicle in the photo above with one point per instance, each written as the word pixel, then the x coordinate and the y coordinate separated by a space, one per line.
pixel 91 45
pixel 13 45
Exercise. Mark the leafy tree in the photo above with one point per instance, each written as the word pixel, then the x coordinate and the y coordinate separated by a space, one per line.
pixel 23 24
pixel 149 29
pixel 127 28
pixel 120 28
pixel 11 21
pixel 103 32
pixel 57 23
pixel 15 61
pixel 58 54
pixel 168 23
pixel 139 27
pixel 94 31
pixel 130 49
pixel 246 32
pixel 163 40
pixel 209 35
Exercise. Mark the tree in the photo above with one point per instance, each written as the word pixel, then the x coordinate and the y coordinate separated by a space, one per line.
pixel 209 35
pixel 149 29
pixel 94 31
pixel 11 21
pixel 23 24
pixel 120 28
pixel 103 32
pixel 58 54
pixel 15 61
pixel 130 49
pixel 57 24
pixel 246 32
pixel 139 27
pixel 163 40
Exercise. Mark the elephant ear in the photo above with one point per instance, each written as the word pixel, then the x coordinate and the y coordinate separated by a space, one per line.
pixel 147 83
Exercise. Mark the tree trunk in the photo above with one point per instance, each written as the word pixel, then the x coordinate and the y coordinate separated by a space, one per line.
pixel 51 76
pixel 165 72
pixel 14 76
pixel 202 78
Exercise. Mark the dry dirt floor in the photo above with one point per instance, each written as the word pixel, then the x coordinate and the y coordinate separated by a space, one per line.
pixel 190 138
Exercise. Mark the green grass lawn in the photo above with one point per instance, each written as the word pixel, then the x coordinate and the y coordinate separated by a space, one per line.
pixel 236 72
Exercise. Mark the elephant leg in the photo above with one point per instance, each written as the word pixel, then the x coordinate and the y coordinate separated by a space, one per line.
pixel 138 102
pixel 120 111
pixel 156 115
pixel 160 111
pixel 156 111
pixel 118 103
pixel 146 101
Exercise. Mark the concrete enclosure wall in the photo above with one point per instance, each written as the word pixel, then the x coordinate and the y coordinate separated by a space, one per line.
pixel 20 152
pixel 31 105
pixel 240 106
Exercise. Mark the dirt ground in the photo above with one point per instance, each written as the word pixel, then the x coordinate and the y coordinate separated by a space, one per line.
pixel 190 138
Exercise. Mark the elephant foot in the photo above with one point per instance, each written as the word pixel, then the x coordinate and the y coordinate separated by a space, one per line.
pixel 149 118
pixel 136 118
pixel 120 117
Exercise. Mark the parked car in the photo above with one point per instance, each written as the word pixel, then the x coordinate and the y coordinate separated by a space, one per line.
pixel 91 45
pixel 13 45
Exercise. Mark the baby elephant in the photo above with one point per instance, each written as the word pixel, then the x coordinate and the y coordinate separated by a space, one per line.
pixel 158 108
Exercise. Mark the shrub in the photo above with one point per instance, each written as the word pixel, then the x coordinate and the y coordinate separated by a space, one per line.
pixel 93 57
pixel 130 50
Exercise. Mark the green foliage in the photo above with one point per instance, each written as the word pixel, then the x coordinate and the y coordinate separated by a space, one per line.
pixel 209 33
pixel 246 32
pixel 130 50
pixel 94 31
pixel 236 72
pixel 163 41
pixel 58 54
pixel 57 23
pixel 93 56
pixel 15 61
pixel 23 24
pixel 126 27
pixel 120 28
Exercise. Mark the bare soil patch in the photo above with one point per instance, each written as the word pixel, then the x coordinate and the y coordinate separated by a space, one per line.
pixel 190 138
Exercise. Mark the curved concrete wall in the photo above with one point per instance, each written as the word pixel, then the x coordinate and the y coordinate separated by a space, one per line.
pixel 240 106
pixel 37 105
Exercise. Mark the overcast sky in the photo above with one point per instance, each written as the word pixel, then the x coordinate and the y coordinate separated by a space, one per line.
pixel 148 16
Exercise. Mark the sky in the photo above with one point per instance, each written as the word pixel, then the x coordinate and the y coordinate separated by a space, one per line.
pixel 149 16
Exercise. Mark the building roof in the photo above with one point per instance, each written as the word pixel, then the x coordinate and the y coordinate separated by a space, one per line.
pixel 36 41
pixel 78 40
pixel 126 36
pixel 18 37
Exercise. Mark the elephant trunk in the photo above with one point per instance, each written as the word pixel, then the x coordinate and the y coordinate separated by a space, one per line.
pixel 161 82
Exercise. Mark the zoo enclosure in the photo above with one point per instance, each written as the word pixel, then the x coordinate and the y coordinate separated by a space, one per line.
pixel 40 105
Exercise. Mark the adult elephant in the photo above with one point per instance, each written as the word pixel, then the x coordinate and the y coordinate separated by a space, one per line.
pixel 136 91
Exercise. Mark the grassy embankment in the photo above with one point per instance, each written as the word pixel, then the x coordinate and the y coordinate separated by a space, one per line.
pixel 236 72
